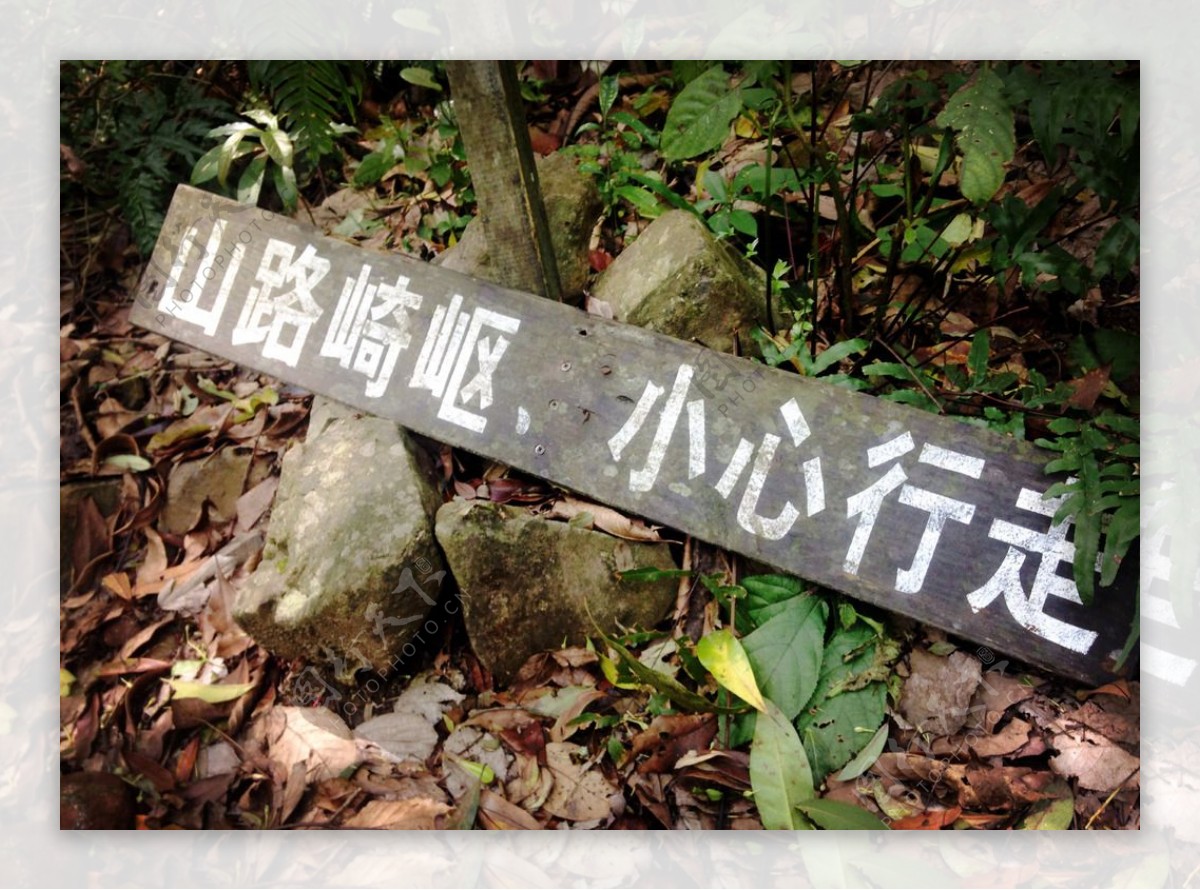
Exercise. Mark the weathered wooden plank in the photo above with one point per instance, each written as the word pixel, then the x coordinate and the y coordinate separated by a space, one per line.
pixel 917 513
pixel 491 118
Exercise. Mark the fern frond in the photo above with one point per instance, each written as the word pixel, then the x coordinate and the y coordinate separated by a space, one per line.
pixel 312 96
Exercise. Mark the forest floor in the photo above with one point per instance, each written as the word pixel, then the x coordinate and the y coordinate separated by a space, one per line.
pixel 175 718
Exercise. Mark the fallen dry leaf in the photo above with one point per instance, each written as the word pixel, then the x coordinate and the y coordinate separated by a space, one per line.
pixel 930 820
pixel 580 794
pixel 1010 739
pixel 399 736
pixel 1113 717
pixel 473 744
pixel 427 697
pixel 670 737
pixel 1095 761
pixel 937 695
pixel 604 518
pixel 1086 389
pixel 499 814
pixel 316 737
pixel 975 786
pixel 414 813
pixel 254 503
pixel 998 692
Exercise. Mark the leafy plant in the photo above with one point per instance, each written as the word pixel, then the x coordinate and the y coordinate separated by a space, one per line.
pixel 983 126
pixel 310 97
pixel 818 692
pixel 422 160
pixel 134 129
pixel 700 115
pixel 623 159
pixel 266 145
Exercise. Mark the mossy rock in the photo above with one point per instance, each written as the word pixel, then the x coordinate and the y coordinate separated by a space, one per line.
pixel 530 584
pixel 678 279
pixel 353 513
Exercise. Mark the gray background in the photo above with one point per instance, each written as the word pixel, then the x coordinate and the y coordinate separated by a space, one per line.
pixel 36 36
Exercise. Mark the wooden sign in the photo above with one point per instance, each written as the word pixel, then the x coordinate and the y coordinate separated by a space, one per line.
pixel 916 513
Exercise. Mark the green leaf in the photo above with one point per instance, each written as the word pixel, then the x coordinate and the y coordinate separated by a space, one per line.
pixel 252 179
pixel 207 386
pixel 375 165
pixel 1052 815
pixel 834 355
pixel 786 653
pixel 848 703
pixel 744 222
pixel 838 727
pixel 1118 249
pixel 768 590
pixel 959 230
pixel 913 397
pixel 866 757
pixel 833 815
pixel 660 682
pixel 608 94
pixel 233 149
pixel 208 166
pixel 207 692
pixel 643 201
pixel 699 118
pixel 177 432
pixel 661 189
pixel 229 129
pixel 779 771
pixel 723 656
pixel 263 118
pixel 65 681
pixel 134 462
pixel 977 359
pixel 421 77
pixel 1122 350
pixel 983 125
pixel 279 146
pixel 888 369
pixel 285 184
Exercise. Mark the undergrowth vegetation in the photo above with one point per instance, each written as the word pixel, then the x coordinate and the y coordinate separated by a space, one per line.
pixel 959 237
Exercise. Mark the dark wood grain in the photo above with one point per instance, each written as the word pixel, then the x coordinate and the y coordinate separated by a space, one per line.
pixel 563 390
pixel 491 119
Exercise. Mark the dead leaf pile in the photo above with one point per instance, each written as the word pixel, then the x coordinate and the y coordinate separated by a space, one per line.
pixel 992 749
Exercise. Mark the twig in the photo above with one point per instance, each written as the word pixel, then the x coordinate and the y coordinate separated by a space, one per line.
pixel 912 374
pixel 1108 800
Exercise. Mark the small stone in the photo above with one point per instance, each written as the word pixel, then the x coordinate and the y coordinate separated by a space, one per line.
pixel 678 279
pixel 530 584
pixel 89 801
pixel 350 564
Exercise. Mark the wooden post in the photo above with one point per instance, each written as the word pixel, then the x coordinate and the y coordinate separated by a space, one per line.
pixel 487 106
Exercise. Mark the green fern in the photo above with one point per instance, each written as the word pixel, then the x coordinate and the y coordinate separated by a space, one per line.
pixel 139 127
pixel 1103 494
pixel 312 96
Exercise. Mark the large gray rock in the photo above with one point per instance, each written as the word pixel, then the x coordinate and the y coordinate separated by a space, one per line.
pixel 573 205
pixel 350 564
pixel 677 279
pixel 528 584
